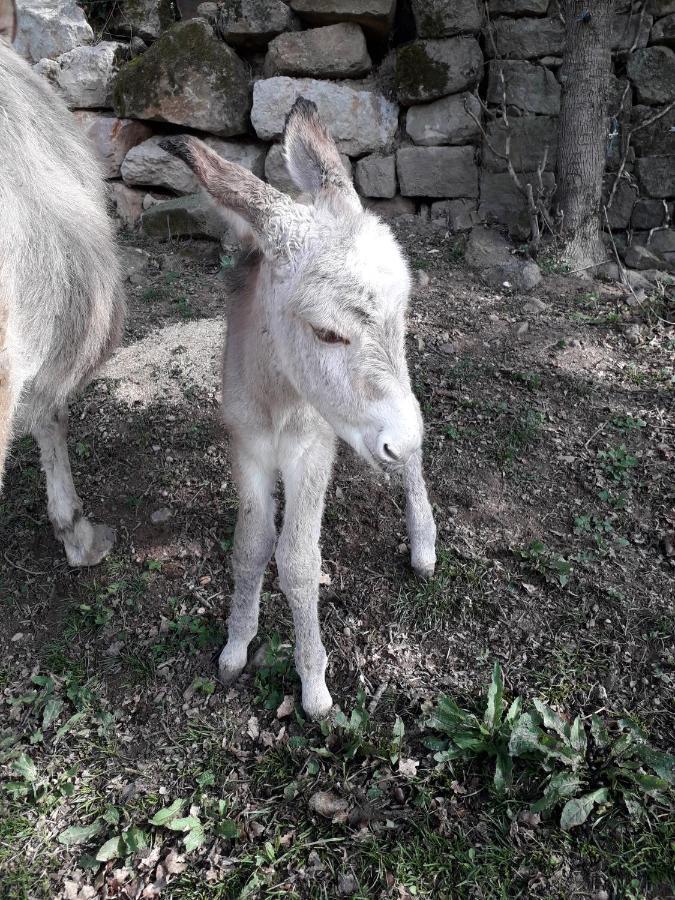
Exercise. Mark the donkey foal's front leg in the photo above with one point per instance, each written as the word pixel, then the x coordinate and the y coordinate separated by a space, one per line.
pixel 419 518
pixel 254 539
pixel 299 563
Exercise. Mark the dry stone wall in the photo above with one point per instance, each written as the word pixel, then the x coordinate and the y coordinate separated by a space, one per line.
pixel 398 83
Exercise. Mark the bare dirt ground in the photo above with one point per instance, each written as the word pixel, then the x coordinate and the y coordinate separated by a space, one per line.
pixel 549 455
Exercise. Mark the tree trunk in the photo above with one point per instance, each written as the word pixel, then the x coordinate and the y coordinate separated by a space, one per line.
pixel 582 130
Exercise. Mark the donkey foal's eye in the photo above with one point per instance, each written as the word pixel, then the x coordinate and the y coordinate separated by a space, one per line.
pixel 330 337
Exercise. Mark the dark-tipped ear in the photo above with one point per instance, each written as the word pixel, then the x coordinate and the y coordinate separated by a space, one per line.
pixel 255 209
pixel 311 156
pixel 7 20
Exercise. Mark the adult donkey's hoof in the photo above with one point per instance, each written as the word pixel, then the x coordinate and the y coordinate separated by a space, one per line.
pixel 87 544
pixel 231 664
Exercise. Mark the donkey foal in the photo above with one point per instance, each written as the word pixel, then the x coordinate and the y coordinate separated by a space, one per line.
pixel 61 304
pixel 315 348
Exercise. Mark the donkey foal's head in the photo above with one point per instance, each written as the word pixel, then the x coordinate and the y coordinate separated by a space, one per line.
pixel 335 286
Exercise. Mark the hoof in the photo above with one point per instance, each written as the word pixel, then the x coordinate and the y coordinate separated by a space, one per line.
pixel 94 544
pixel 317 704
pixel 424 564
pixel 230 665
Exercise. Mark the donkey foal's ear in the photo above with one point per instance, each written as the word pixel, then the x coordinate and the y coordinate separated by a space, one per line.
pixel 311 155
pixel 7 20
pixel 255 209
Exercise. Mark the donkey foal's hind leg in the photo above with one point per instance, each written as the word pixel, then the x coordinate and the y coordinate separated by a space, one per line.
pixel 85 543
pixel 254 539
pixel 299 562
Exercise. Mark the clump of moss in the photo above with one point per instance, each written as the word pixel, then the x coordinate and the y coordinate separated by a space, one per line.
pixel 418 76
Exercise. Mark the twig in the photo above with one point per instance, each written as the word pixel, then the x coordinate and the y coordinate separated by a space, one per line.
pixel 622 271
pixel 596 433
pixel 630 134
pixel 377 697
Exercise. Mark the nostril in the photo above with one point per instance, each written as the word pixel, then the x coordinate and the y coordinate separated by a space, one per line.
pixel 391 452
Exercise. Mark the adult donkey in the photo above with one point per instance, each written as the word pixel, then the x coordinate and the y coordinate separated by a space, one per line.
pixel 315 347
pixel 61 306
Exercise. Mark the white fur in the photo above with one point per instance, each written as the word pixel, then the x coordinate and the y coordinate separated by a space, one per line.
pixel 286 394
pixel 61 306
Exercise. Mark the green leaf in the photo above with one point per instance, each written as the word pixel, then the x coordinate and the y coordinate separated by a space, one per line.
pixel 650 784
pixel 552 720
pixel 72 721
pixel 503 772
pixel 227 829
pixel 184 824
pixel 444 756
pixel 51 712
pixel 576 811
pixel 195 837
pixel 25 767
pixel 135 839
pixel 468 741
pixel 495 698
pixel 111 815
pixel 397 739
pixel 661 763
pixel 599 732
pixel 514 710
pixel 559 786
pixel 578 736
pixel 80 834
pixel 164 816
pixel 112 849
pixel 448 717
pixel 525 737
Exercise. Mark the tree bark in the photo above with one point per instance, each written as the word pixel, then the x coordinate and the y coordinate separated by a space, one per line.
pixel 582 129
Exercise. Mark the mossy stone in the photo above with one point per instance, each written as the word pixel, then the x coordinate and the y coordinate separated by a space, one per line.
pixel 427 70
pixel 188 77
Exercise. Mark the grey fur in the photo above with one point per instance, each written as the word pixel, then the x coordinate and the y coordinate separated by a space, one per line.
pixel 61 302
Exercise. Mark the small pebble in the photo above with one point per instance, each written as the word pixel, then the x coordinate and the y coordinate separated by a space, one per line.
pixel 160 516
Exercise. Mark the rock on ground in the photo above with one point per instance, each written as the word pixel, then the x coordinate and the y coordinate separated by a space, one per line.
pixel 648 213
pixel 528 38
pixel 376 176
pixel 112 138
pixel 490 256
pixel 194 216
pixel 145 19
pixel 657 139
pixel 438 18
pixel 656 175
pixel 640 257
pixel 457 215
pixel 437 172
pixel 445 121
pixel 335 51
pixel 360 120
pixel 427 70
pixel 253 23
pixel 127 204
pixel 375 16
pixel 147 164
pixel 652 72
pixel 48 28
pixel 663 31
pixel 501 201
pixel 530 135
pixel 625 32
pixel 531 88
pixel 188 77
pixel 84 77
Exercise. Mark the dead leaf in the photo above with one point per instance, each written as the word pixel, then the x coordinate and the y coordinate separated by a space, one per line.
pixel 286 706
pixel 324 578
pixel 408 767
pixel 174 864
pixel 252 728
pixel 327 805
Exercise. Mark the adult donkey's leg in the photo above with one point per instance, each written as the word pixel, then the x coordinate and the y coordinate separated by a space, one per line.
pixel 419 518
pixel 85 543
pixel 254 538
pixel 306 472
